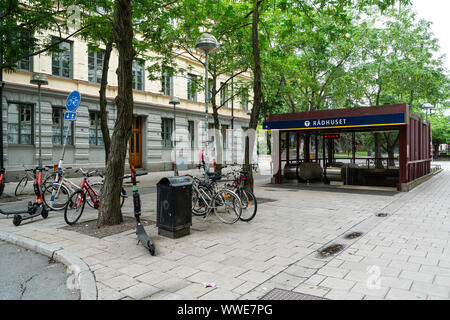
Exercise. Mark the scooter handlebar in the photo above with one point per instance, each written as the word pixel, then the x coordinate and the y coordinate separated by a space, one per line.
pixel 137 174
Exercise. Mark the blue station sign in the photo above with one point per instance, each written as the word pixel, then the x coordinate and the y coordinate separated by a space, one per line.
pixel 337 122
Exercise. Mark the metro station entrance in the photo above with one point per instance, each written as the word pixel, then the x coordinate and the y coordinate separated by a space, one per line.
pixel 304 146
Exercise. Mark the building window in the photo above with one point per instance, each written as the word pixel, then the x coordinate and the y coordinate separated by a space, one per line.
pixel 192 87
pixel 224 95
pixel 62 60
pixel 20 123
pixel 167 81
pixel 138 75
pixel 95 131
pixel 244 99
pixel 25 64
pixel 166 132
pixel 211 132
pixel 191 130
pixel 95 65
pixel 59 130
pixel 224 135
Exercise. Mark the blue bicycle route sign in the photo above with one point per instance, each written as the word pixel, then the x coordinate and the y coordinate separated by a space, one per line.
pixel 73 101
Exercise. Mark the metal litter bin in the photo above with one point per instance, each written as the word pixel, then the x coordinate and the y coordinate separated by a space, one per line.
pixel 174 206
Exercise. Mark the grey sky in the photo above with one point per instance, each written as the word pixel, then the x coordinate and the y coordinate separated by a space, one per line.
pixel 437 11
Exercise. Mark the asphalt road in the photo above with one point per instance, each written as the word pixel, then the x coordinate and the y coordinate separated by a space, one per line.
pixel 26 275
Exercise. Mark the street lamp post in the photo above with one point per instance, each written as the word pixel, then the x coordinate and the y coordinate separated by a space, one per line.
pixel 175 101
pixel 428 107
pixel 39 79
pixel 207 43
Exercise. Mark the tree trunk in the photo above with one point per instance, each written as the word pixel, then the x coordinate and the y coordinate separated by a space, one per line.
pixel 104 102
pixel 378 161
pixel 390 148
pixel 376 135
pixel 257 90
pixel 109 212
pixel 219 151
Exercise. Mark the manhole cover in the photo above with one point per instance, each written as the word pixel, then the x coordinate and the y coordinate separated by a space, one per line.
pixel 280 294
pixel 331 250
pixel 353 235
pixel 382 214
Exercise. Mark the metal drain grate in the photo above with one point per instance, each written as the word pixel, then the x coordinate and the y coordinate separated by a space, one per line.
pixel 331 250
pixel 353 235
pixel 382 214
pixel 280 294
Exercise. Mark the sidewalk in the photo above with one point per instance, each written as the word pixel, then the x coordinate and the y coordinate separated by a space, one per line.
pixel 405 255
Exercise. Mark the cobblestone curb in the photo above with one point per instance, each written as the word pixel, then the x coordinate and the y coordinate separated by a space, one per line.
pixel 85 280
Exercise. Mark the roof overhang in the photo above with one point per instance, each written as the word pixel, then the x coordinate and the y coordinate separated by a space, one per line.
pixel 362 118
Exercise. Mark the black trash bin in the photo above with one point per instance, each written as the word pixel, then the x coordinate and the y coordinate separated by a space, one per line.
pixel 174 206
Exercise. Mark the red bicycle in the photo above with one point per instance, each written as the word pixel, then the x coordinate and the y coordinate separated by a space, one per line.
pixel 77 201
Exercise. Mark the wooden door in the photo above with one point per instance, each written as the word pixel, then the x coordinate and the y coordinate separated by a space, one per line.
pixel 135 143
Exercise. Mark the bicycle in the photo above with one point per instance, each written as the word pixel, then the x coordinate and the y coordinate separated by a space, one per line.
pixel 248 199
pixel 76 203
pixel 207 198
pixel 28 176
pixel 56 194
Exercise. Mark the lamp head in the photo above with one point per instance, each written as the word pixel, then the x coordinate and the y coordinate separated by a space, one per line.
pixel 174 101
pixel 39 79
pixel 207 42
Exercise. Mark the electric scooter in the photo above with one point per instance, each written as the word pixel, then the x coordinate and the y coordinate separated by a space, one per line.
pixel 33 209
pixel 143 238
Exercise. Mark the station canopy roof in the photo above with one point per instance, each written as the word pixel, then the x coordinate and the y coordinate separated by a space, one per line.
pixel 388 117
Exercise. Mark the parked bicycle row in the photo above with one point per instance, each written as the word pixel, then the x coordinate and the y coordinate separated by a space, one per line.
pixel 227 195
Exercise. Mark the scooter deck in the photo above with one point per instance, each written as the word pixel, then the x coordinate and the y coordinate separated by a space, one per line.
pixel 144 238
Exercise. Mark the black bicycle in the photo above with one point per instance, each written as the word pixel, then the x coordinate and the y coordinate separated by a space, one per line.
pixel 248 199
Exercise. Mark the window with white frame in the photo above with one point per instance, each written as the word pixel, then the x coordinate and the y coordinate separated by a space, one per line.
pixel 166 132
pixel 138 75
pixel 192 87
pixel 62 61
pixel 95 65
pixel 223 95
pixel 95 130
pixel 60 127
pixel 167 81
pixel 20 123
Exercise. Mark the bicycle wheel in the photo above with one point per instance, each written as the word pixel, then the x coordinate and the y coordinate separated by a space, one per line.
pixel 75 207
pixel 49 179
pixel 199 206
pixel 21 186
pixel 249 204
pixel 98 186
pixel 227 206
pixel 56 198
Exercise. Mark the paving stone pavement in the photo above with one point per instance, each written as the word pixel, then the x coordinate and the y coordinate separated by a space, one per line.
pixel 405 255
